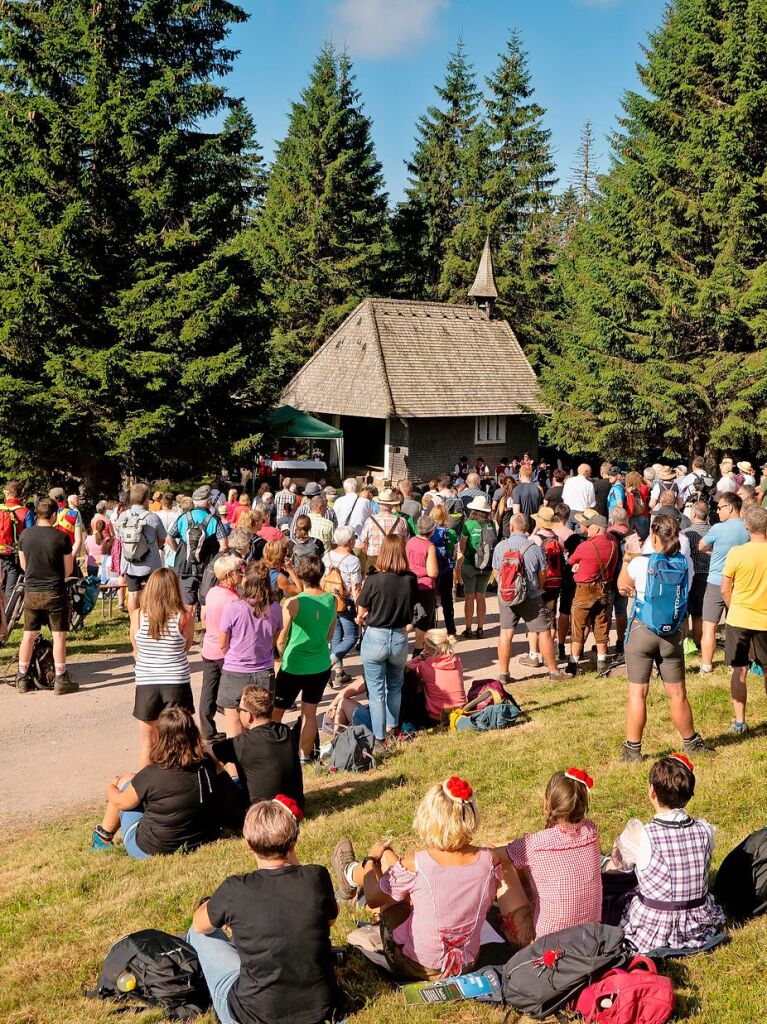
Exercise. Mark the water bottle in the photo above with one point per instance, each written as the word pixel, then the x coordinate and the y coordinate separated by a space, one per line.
pixel 126 981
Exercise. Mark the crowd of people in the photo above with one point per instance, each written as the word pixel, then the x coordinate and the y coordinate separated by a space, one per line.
pixel 287 583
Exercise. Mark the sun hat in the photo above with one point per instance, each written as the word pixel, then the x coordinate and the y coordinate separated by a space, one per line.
pixel 201 494
pixel 312 490
pixel 667 510
pixel 746 467
pixel 480 504
pixel 544 516
pixel 667 473
pixel 590 517
pixel 388 496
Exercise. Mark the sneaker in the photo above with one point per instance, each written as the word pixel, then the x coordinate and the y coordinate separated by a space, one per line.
pixel 23 683
pixel 529 661
pixel 558 676
pixel 339 681
pixel 98 842
pixel 738 728
pixel 468 635
pixel 479 632
pixel 632 755
pixel 698 746
pixel 504 678
pixel 343 856
pixel 64 684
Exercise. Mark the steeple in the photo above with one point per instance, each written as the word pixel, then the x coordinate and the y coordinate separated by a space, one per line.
pixel 483 291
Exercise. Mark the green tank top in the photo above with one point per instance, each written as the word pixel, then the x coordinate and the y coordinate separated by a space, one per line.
pixel 307 650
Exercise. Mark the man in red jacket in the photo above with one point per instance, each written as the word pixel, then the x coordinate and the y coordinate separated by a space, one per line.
pixel 593 562
pixel 14 517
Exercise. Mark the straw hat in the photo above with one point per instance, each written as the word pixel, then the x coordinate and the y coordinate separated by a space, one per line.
pixel 544 517
pixel 746 467
pixel 667 473
pixel 590 517
pixel 389 497
pixel 480 504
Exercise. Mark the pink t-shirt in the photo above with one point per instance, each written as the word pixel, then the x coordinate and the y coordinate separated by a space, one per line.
pixel 217 599
pixel 270 533
pixel 564 866
pixel 449 904
pixel 94 551
pixel 442 679
pixel 417 553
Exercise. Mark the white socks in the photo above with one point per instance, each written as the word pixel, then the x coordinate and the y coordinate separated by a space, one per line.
pixel 349 872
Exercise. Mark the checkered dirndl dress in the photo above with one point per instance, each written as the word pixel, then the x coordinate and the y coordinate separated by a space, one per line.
pixel 674 908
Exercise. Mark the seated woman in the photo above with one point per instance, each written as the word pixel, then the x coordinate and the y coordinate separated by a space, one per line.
pixel 171 803
pixel 435 902
pixel 672 857
pixel 560 866
pixel 278 964
pixel 440 673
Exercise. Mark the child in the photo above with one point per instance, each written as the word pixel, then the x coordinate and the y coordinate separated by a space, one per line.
pixel 434 902
pixel 440 672
pixel 671 856
pixel 278 964
pixel 560 866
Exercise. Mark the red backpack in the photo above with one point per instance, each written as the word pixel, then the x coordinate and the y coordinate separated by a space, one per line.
pixel 552 549
pixel 636 995
pixel 512 579
pixel 11 524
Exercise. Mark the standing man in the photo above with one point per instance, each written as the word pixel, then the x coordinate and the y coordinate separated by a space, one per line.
pixel 578 492
pixel 695 533
pixel 616 496
pixel 381 525
pixel 284 497
pixel 532 611
pixel 46 557
pixel 722 536
pixel 352 509
pixel 196 537
pixel 14 517
pixel 142 535
pixel 594 562
pixel 472 489
pixel 411 508
pixel 744 591
pixel 602 489
pixel 527 497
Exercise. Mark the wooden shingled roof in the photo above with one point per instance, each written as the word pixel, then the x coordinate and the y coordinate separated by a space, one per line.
pixel 393 357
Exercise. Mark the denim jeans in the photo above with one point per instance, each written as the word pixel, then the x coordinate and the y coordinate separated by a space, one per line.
pixel 220 963
pixel 346 633
pixel 384 653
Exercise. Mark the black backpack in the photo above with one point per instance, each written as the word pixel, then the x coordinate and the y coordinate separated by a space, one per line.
pixel 198 548
pixel 166 970
pixel 542 978
pixel 741 882
pixel 352 750
pixel 483 556
pixel 42 670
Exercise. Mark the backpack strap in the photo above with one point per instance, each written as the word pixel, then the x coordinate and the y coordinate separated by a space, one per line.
pixel 351 510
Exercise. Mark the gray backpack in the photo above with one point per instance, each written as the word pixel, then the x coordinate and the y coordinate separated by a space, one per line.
pixel 352 750
pixel 135 546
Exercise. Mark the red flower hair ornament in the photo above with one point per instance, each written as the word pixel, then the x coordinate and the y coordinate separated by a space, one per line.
pixel 457 790
pixel 548 961
pixel 579 775
pixel 289 805
pixel 683 760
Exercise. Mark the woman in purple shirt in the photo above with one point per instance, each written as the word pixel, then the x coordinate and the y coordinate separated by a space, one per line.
pixel 248 630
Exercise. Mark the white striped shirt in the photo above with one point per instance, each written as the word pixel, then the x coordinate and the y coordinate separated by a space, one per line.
pixel 162 662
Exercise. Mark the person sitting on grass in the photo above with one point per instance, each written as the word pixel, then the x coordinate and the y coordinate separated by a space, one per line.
pixel 171 803
pixel 434 903
pixel 672 857
pixel 439 670
pixel 560 866
pixel 278 964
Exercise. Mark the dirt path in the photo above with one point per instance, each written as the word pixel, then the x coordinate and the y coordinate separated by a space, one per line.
pixel 59 751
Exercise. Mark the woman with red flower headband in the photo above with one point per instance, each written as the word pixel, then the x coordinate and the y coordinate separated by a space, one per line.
pixel 434 902
pixel 560 866
pixel 671 857
pixel 278 965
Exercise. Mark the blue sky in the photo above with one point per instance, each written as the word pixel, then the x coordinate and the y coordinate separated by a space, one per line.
pixel 583 55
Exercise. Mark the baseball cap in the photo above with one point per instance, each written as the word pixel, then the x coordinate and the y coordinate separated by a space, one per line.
pixel 614 471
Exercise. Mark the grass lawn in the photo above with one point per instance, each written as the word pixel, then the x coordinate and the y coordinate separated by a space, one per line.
pixel 61 907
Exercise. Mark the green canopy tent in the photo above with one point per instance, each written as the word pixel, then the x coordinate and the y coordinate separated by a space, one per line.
pixel 290 422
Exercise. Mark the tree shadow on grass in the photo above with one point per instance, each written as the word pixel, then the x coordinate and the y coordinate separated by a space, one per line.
pixel 351 792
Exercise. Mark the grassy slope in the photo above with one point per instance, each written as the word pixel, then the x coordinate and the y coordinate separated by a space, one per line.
pixel 61 907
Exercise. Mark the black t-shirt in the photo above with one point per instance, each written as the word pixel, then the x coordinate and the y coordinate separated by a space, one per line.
pixel 280 920
pixel 528 497
pixel 267 761
pixel 390 598
pixel 180 807
pixel 601 490
pixel 44 549
pixel 553 496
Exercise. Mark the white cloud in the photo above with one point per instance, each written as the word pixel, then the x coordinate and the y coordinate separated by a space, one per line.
pixel 385 28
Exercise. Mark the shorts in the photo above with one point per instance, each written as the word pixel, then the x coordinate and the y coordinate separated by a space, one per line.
pixel 713 603
pixel 46 608
pixel 475 580
pixel 288 686
pixel 135 584
pixel 532 612
pixel 361 716
pixel 428 601
pixel 129 823
pixel 644 650
pixel 233 683
pixel 696 595
pixel 190 588
pixel 738 643
pixel 150 700
pixel 590 605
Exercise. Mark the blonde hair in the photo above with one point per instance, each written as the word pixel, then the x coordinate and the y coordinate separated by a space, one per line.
pixel 440 515
pixel 439 641
pixel 225 565
pixel 444 823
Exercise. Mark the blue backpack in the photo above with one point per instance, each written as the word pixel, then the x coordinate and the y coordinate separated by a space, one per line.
pixel 445 551
pixel 664 607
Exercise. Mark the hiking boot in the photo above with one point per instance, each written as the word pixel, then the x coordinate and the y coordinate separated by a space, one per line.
pixel 697 745
pixel 479 632
pixel 23 683
pixel 340 680
pixel 558 676
pixel 64 684
pixel 468 635
pixel 632 755
pixel 738 728
pixel 343 856
pixel 530 662
pixel 571 668
pixel 504 678
pixel 99 842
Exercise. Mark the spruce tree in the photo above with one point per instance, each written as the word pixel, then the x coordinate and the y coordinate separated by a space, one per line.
pixel 130 315
pixel 441 217
pixel 584 175
pixel 323 233
pixel 518 197
pixel 663 340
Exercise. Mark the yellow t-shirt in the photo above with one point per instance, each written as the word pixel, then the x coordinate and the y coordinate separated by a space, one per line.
pixel 746 566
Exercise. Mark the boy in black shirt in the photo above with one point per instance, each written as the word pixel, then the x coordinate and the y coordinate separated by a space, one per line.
pixel 278 968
